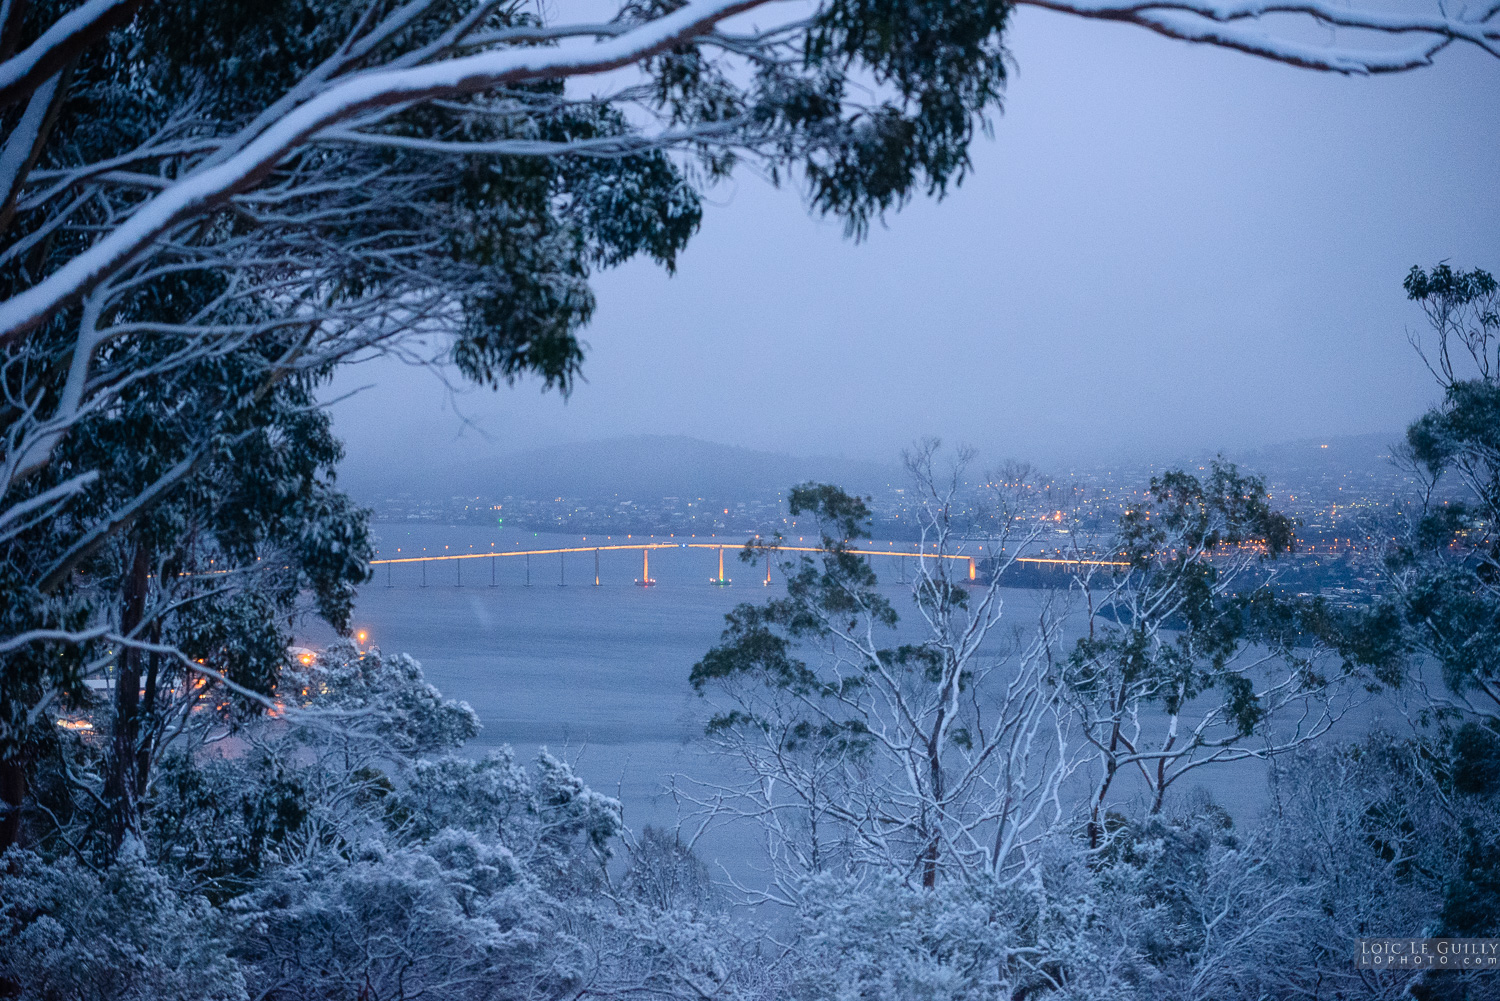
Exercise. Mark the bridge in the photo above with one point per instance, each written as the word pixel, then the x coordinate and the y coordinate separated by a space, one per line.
pixel 647 548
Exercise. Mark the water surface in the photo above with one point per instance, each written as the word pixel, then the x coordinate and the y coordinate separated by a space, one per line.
pixel 600 673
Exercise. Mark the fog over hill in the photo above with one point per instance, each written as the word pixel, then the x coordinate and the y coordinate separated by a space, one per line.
pixel 647 466
pixel 1303 460
pixel 1359 453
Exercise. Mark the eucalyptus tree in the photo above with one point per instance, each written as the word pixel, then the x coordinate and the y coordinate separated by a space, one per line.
pixel 1442 565
pixel 203 581
pixel 324 157
pixel 362 175
pixel 213 578
pixel 869 750
pixel 206 582
pixel 1435 629
pixel 1191 658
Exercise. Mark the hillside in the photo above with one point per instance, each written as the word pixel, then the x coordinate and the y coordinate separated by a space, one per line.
pixel 645 466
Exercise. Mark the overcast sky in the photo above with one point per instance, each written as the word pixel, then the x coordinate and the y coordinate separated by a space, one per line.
pixel 1164 249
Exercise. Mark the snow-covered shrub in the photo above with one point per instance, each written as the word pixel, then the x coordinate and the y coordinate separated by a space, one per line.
pixel 889 941
pixel 666 875
pixel 335 849
pixel 1060 936
pixel 1383 838
pixel 451 918
pixel 130 933
pixel 547 813
pixel 383 696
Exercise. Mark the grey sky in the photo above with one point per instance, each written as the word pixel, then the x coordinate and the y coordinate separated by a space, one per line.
pixel 1164 249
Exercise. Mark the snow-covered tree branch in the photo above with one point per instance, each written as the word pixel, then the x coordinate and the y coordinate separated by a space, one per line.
pixel 1243 26
pixel 336 190
pixel 1191 659
pixel 918 755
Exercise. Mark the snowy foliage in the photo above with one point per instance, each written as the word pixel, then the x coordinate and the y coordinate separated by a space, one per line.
pixel 69 932
pixel 205 207
pixel 1192 658
pixel 384 696
pixel 860 747
pixel 337 846
pixel 1442 603
pixel 336 849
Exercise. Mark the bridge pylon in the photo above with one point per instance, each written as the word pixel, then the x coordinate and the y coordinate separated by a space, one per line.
pixel 721 580
pixel 646 580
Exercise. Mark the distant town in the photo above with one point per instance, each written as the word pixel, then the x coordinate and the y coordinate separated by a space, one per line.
pixel 1338 514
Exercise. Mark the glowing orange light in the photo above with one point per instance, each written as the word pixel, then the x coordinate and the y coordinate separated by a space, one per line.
pixel 361 635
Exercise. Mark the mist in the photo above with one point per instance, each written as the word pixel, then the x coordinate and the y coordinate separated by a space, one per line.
pixel 1163 250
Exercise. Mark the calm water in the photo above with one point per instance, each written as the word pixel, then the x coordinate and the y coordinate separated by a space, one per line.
pixel 600 674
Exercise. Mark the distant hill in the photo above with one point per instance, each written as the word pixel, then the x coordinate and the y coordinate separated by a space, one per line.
pixel 1361 463
pixel 650 467
pixel 1361 453
pixel 1366 457
pixel 644 466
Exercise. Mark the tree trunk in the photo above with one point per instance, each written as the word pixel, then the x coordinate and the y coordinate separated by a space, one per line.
pixel 1096 827
pixel 147 715
pixel 120 783
pixel 1161 765
pixel 12 795
pixel 1111 766
pixel 935 778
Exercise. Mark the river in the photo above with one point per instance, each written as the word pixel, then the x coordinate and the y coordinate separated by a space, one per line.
pixel 599 674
